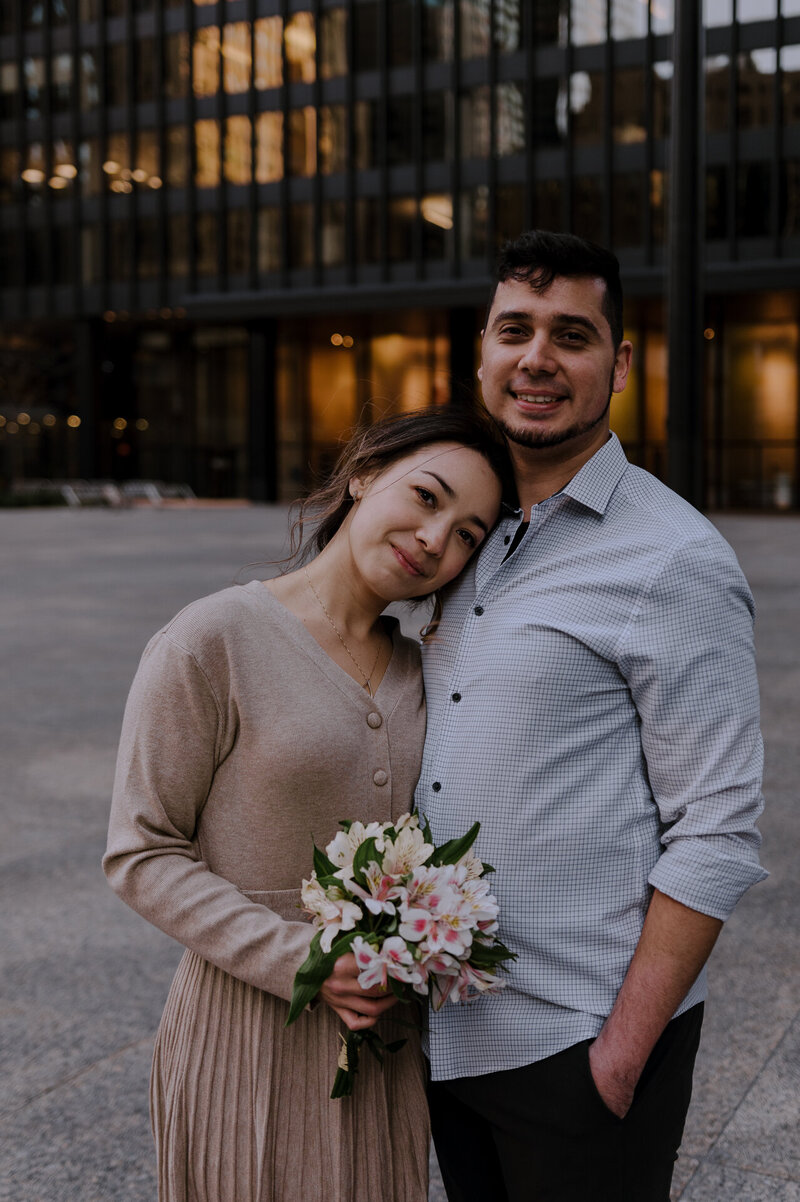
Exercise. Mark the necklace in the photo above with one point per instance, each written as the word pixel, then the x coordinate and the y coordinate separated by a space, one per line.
pixel 367 675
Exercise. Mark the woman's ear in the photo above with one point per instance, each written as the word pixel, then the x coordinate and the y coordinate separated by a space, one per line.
pixel 356 488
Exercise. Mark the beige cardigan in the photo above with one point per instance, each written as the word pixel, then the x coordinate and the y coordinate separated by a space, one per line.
pixel 242 743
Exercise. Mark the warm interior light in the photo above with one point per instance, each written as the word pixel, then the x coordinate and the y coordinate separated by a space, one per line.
pixel 140 175
pixel 32 175
pixel 58 182
pixel 73 421
pixel 120 423
pixel 49 419
pixel 708 334
pixel 438 210
pixel 111 166
pixel 24 419
pixel 142 424
pixel 336 340
pixel 121 185
pixel 154 182
pixel 68 170
pixel 347 341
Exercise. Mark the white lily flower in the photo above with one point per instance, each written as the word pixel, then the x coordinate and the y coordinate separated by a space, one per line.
pixel 344 846
pixel 405 853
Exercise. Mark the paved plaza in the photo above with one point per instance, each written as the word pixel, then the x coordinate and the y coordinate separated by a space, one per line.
pixel 83 979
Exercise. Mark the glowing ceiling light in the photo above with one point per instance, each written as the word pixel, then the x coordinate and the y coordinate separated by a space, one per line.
pixel 111 166
pixel 32 175
pixel 67 170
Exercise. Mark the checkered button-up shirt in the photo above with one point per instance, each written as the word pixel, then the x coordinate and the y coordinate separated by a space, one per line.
pixel 592 701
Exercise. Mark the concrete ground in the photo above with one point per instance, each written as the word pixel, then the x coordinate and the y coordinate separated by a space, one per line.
pixel 83 979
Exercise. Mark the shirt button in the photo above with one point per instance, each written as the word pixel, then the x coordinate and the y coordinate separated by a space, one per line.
pixel 374 720
pixel 436 786
pixel 478 610
pixel 507 539
pixel 456 697
pixel 380 777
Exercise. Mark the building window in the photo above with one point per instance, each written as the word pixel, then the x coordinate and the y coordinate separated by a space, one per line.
pixel 437 127
pixel 236 57
pixel 587 207
pixel 753 191
pixel 658 206
pixel 510 119
pixel 790 199
pixel 548 204
pixel 365 135
pixel 507 24
pixel 147 249
pixel 238 241
pixel 401 26
pixel 717 72
pixel 269 147
pixel 205 61
pixel 269 52
pixel 9 173
pixel 301 47
pixel 437 225
pixel 120 250
pixel 176 153
pixel 207 153
pixel 176 65
pixel 89 84
pixel 586 102
pixel 61 82
pixel 332 233
pixel 117 164
pixel 301 235
pixel 628 20
pixel 402 219
pixel 302 141
pixel 178 246
pixel 147 171
pixel 9 90
pixel 367 222
pixel 474 28
pixel 400 132
pixel 755 82
pixel 145 70
pixel 476 123
pixel 587 24
pixel 333 43
pixel 365 31
pixel 64 167
pixel 269 239
pixel 332 139
pixel 628 203
pixel 475 222
pixel 629 118
pixel 33 74
pixel 91 258
pixel 206 244
pixel 437 30
pixel 238 155
pixel 662 99
pixel 510 212
pixel 89 167
pixel 116 74
pixel 716 203
pixel 549 112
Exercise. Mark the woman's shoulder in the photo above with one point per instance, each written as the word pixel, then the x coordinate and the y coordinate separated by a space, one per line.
pixel 229 616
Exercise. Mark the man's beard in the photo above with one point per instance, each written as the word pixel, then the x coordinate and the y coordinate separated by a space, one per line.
pixel 531 436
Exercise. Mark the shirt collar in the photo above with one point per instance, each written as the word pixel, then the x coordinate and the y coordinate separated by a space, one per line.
pixel 594 484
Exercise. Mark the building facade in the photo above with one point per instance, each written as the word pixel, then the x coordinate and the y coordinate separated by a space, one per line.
pixel 231 230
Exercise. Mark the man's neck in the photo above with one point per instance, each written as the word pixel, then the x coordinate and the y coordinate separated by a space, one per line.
pixel 542 471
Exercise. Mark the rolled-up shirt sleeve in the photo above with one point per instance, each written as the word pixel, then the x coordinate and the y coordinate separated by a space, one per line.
pixel 688 657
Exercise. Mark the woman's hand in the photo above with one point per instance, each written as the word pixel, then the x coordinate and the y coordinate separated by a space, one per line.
pixel 357 1008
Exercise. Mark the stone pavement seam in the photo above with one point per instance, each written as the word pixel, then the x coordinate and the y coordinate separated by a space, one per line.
pixel 76 1076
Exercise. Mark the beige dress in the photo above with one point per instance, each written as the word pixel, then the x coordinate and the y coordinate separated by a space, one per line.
pixel 243 742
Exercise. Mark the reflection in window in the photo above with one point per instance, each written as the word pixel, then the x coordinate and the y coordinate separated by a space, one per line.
pixel 474 28
pixel 716 203
pixel 437 224
pixel 437 30
pixel 628 20
pixel 89 167
pixel 205 61
pixel 367 233
pixel 717 12
pixel 402 217
pixel 365 135
pixel 475 123
pixel 717 88
pixel 629 120
pixel 757 10
pixel 753 191
pixel 89 84
pixel 549 112
pixel 510 212
pixel 120 250
pixel 207 148
pixel 117 164
pixel 116 74
pixel 587 22
pixel 176 153
pixel 177 246
pixel 474 222
pixel 550 21
pixel 400 131
pixel 269 239
pixel 145 70
pixel 301 46
pixel 628 201
pixel 587 207
pixel 301 235
pixel 586 96
pixel 548 204
pixel 33 173
pixel 302 141
pixel 236 57
pixel 510 119
pixel 437 127
pixel 147 248
pixel 61 82
pixel 365 36
pixel 238 241
pixel 269 147
pixel 63 167
pixel 332 233
pixel 9 88
pixel 401 25
pixel 755 80
pixel 146 173
pixel 206 244
pixel 176 65
pixel 760 381
pixel 332 138
pixel 238 159
pixel 662 16
pixel 33 73
pixel 662 99
pixel 269 52
pixel 507 24
pixel 333 43
pixel 790 84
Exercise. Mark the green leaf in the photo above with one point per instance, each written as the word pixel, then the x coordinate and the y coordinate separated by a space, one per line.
pixel 452 851
pixel 345 824
pixel 315 970
pixel 322 865
pixel 489 955
pixel 364 856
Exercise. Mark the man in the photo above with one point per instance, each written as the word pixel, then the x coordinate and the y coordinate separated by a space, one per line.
pixel 592 701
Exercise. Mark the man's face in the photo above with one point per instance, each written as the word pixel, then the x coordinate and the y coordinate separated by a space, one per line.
pixel 549 365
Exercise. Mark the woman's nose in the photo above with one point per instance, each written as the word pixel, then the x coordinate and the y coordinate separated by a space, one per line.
pixel 433 536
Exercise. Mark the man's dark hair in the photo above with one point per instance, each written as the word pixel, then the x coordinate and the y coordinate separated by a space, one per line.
pixel 539 256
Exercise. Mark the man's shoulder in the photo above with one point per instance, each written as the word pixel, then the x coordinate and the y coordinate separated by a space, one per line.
pixel 647 509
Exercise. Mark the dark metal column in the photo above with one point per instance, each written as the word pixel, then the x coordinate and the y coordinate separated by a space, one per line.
pixel 685 424
pixel 88 342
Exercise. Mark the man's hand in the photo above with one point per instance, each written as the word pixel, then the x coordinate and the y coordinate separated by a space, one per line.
pixel 614 1082
pixel 357 1008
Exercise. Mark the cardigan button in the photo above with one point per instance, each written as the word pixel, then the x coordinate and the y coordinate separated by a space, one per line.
pixel 380 777
pixel 374 720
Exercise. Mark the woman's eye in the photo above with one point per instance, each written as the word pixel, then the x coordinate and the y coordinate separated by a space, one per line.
pixel 425 495
pixel 468 538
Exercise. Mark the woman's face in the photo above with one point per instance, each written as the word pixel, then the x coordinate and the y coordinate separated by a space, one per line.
pixel 418 522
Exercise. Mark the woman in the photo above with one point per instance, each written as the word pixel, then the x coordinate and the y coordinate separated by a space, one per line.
pixel 258 719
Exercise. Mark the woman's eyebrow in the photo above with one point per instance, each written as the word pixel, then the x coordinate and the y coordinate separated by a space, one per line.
pixel 451 493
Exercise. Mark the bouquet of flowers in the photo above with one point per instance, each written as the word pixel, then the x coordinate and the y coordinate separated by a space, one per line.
pixel 419 919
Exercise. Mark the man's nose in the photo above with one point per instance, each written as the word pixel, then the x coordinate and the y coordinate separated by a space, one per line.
pixel 537 355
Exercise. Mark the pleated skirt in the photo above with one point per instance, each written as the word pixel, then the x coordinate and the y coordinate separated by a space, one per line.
pixel 241 1110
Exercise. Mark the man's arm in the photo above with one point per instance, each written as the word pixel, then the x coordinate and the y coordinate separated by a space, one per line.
pixel 673 947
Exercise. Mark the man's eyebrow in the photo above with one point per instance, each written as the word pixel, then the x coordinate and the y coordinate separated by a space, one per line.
pixel 560 319
pixel 474 517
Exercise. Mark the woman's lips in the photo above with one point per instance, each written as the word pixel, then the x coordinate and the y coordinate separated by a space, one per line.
pixel 406 561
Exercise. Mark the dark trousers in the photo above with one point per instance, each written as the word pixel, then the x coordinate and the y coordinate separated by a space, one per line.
pixel 542 1133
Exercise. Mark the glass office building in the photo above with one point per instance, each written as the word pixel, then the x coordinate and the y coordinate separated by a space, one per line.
pixel 230 230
